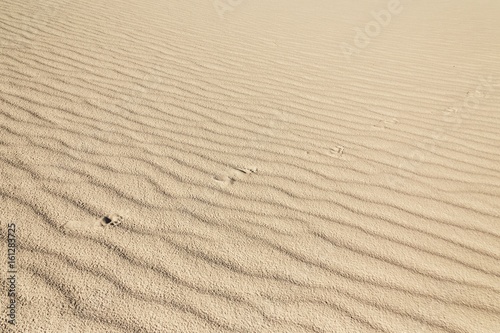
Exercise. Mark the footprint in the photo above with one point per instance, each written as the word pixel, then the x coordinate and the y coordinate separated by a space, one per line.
pixel 225 180
pixel 113 220
pixel 387 123
pixel 337 152
pixel 234 175
pixel 450 110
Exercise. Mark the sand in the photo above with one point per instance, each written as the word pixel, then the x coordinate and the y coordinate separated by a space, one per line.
pixel 250 166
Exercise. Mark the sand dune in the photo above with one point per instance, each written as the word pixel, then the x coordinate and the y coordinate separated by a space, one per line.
pixel 250 166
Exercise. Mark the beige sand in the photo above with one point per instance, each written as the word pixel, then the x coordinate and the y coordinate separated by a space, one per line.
pixel 251 166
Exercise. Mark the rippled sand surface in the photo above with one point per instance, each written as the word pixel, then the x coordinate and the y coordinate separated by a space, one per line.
pixel 251 166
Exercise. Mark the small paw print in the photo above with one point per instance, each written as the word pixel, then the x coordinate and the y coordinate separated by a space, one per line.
pixel 387 123
pixel 113 220
pixel 337 151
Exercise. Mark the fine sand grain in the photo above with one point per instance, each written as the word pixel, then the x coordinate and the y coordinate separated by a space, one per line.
pixel 250 166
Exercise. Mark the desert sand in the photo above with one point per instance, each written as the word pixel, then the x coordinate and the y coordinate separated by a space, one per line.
pixel 250 166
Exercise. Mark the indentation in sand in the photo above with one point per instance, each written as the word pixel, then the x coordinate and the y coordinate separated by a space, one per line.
pixel 235 174
pixel 110 220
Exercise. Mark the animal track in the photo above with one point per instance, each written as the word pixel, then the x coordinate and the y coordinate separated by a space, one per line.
pixel 114 219
pixel 337 152
pixel 387 123
pixel 234 175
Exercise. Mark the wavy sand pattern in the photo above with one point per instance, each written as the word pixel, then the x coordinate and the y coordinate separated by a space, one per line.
pixel 251 166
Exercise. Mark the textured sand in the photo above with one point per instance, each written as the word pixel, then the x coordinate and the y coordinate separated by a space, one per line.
pixel 271 172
